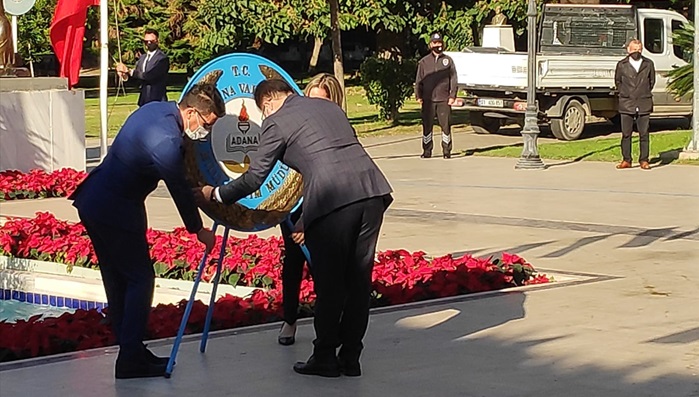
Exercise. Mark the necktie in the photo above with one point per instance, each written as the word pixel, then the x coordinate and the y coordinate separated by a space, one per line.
pixel 146 62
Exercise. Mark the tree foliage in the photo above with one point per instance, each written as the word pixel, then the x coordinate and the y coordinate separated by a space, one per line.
pixel 194 31
pixel 388 83
pixel 33 29
pixel 682 77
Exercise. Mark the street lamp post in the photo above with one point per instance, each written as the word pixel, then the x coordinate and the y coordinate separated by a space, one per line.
pixel 530 159
pixel 692 150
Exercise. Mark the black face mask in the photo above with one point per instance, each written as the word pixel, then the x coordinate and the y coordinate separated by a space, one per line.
pixel 152 46
pixel 438 49
pixel 635 56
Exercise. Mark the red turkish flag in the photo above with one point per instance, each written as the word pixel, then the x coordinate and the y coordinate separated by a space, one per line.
pixel 67 34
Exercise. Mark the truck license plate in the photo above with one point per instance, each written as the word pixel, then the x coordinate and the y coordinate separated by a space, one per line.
pixel 491 103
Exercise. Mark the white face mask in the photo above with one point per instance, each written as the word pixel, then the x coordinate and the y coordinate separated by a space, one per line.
pixel 200 133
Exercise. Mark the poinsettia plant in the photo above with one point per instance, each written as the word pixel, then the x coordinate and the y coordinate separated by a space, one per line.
pixel 399 277
pixel 38 183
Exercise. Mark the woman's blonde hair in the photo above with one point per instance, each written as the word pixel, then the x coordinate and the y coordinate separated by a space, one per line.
pixel 329 83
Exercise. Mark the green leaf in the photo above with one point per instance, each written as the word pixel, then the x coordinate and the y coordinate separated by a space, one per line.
pixel 233 279
pixel 160 268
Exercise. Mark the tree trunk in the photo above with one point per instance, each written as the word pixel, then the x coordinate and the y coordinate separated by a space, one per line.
pixel 337 47
pixel 316 53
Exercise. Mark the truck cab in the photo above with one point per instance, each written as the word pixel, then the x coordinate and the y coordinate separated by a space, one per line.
pixel 657 28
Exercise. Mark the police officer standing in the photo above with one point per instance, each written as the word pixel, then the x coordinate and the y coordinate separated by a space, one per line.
pixel 435 90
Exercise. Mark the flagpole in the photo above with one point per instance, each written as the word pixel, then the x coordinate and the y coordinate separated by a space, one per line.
pixel 14 34
pixel 104 70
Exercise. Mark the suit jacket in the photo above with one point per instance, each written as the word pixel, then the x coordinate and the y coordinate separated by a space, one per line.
pixel 635 88
pixel 154 78
pixel 314 137
pixel 147 149
pixel 435 80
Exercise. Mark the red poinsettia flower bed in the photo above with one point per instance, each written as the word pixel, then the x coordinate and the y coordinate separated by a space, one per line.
pixel 38 183
pixel 399 277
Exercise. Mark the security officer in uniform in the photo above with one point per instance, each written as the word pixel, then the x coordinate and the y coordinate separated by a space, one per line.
pixel 435 90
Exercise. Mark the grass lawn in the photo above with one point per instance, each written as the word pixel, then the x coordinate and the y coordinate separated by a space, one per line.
pixel 365 119
pixel 362 115
pixel 664 147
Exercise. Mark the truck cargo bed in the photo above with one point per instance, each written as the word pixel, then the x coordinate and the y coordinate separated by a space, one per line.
pixel 508 70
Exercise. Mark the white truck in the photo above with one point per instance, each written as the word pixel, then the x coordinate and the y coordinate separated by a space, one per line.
pixel 577 52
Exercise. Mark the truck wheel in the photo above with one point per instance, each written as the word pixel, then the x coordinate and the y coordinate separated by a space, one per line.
pixel 572 124
pixel 484 125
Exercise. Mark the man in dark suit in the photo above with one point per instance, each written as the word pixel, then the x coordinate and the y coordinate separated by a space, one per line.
pixel 345 197
pixel 111 206
pixel 635 79
pixel 151 70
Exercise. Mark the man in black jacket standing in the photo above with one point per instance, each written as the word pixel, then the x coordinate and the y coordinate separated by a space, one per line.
pixel 435 90
pixel 635 78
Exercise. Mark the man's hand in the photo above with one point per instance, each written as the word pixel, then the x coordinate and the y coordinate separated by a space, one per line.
pixel 121 68
pixel 203 194
pixel 207 237
pixel 450 101
pixel 298 237
pixel 419 100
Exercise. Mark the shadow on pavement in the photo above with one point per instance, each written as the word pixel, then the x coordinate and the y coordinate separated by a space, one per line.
pixel 666 157
pixel 688 336
pixel 581 158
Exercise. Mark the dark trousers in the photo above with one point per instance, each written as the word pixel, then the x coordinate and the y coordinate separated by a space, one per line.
pixel 343 246
pixel 642 122
pixel 292 273
pixel 128 278
pixel 443 112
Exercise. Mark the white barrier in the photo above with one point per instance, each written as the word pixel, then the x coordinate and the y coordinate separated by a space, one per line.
pixel 41 126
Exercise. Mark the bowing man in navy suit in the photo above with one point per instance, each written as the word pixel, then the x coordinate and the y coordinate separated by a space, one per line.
pixel 151 70
pixel 111 206
pixel 345 195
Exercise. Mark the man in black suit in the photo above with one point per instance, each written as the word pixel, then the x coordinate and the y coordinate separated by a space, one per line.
pixel 151 70
pixel 634 78
pixel 345 197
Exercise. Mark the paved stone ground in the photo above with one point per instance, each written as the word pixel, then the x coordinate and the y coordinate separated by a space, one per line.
pixel 629 329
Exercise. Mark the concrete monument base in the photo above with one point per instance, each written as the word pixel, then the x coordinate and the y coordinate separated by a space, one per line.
pixel 42 124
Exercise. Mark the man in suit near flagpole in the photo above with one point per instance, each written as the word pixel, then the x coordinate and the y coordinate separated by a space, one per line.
pixel 151 70
pixel 345 195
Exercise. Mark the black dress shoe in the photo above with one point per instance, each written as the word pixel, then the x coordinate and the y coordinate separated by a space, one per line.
pixel 152 358
pixel 447 155
pixel 314 367
pixel 143 368
pixel 350 368
pixel 425 155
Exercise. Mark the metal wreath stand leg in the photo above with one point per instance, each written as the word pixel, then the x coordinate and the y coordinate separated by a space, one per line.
pixel 210 311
